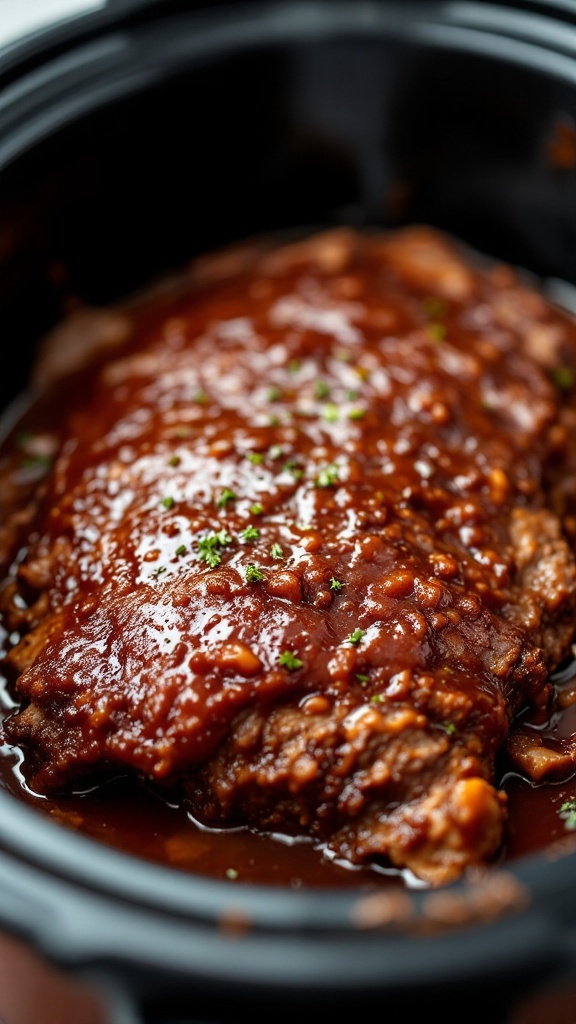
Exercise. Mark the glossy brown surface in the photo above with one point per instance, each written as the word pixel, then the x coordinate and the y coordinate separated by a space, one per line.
pixel 301 557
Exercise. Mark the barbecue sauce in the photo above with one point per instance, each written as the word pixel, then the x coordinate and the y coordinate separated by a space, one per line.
pixel 152 819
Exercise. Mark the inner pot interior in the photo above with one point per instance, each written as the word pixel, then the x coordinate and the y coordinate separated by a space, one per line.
pixel 136 150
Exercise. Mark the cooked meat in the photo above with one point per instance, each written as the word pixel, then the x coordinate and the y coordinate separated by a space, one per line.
pixel 300 548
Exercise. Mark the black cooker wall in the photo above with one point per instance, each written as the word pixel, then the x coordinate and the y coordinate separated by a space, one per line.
pixel 277 137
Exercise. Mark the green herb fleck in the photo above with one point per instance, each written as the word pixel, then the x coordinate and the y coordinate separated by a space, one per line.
pixel 250 533
pixel 209 546
pixel 335 584
pixel 352 395
pixel 362 678
pixel 200 397
pixel 180 550
pixel 327 476
pixel 254 575
pixel 276 451
pixel 257 458
pixel 377 698
pixel 167 502
pixel 292 467
pixel 356 414
pixel 356 636
pixel 158 572
pixel 448 727
pixel 256 508
pixel 36 462
pixel 563 377
pixel 276 551
pixel 435 307
pixel 436 331
pixel 330 412
pixel 321 389
pixel 226 496
pixel 273 394
pixel 289 660
pixel 174 461
pixel 567 812
pixel 294 365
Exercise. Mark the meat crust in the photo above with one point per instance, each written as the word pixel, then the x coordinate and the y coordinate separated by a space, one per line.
pixel 299 548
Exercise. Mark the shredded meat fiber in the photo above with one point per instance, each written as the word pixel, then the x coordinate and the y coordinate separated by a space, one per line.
pixel 299 547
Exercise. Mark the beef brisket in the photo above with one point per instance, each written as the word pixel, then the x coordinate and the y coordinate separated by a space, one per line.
pixel 299 548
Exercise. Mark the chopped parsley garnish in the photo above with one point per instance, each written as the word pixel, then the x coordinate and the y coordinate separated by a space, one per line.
pixel 255 457
pixel 200 397
pixel 563 377
pixel 276 551
pixel 435 307
pixel 158 572
pixel 376 698
pixel 327 476
pixel 321 389
pixel 167 502
pixel 175 460
pixel 36 462
pixel 448 727
pixel 335 584
pixel 294 365
pixel 226 496
pixel 180 550
pixel 330 412
pixel 356 414
pixel 567 812
pixel 289 660
pixel 209 547
pixel 356 636
pixel 362 678
pixel 292 467
pixel 256 508
pixel 352 395
pixel 273 394
pixel 436 331
pixel 254 574
pixel 250 533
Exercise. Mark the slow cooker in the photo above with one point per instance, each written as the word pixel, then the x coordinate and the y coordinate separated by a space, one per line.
pixel 132 138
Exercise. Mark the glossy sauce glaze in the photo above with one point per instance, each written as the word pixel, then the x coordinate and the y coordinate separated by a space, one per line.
pixel 288 500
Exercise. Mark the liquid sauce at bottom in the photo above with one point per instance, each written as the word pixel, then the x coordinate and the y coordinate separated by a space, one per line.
pixel 136 819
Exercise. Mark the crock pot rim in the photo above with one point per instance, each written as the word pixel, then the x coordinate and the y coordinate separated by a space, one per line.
pixel 97 871
pixel 52 848
pixel 360 15
pixel 99 48
pixel 85 904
